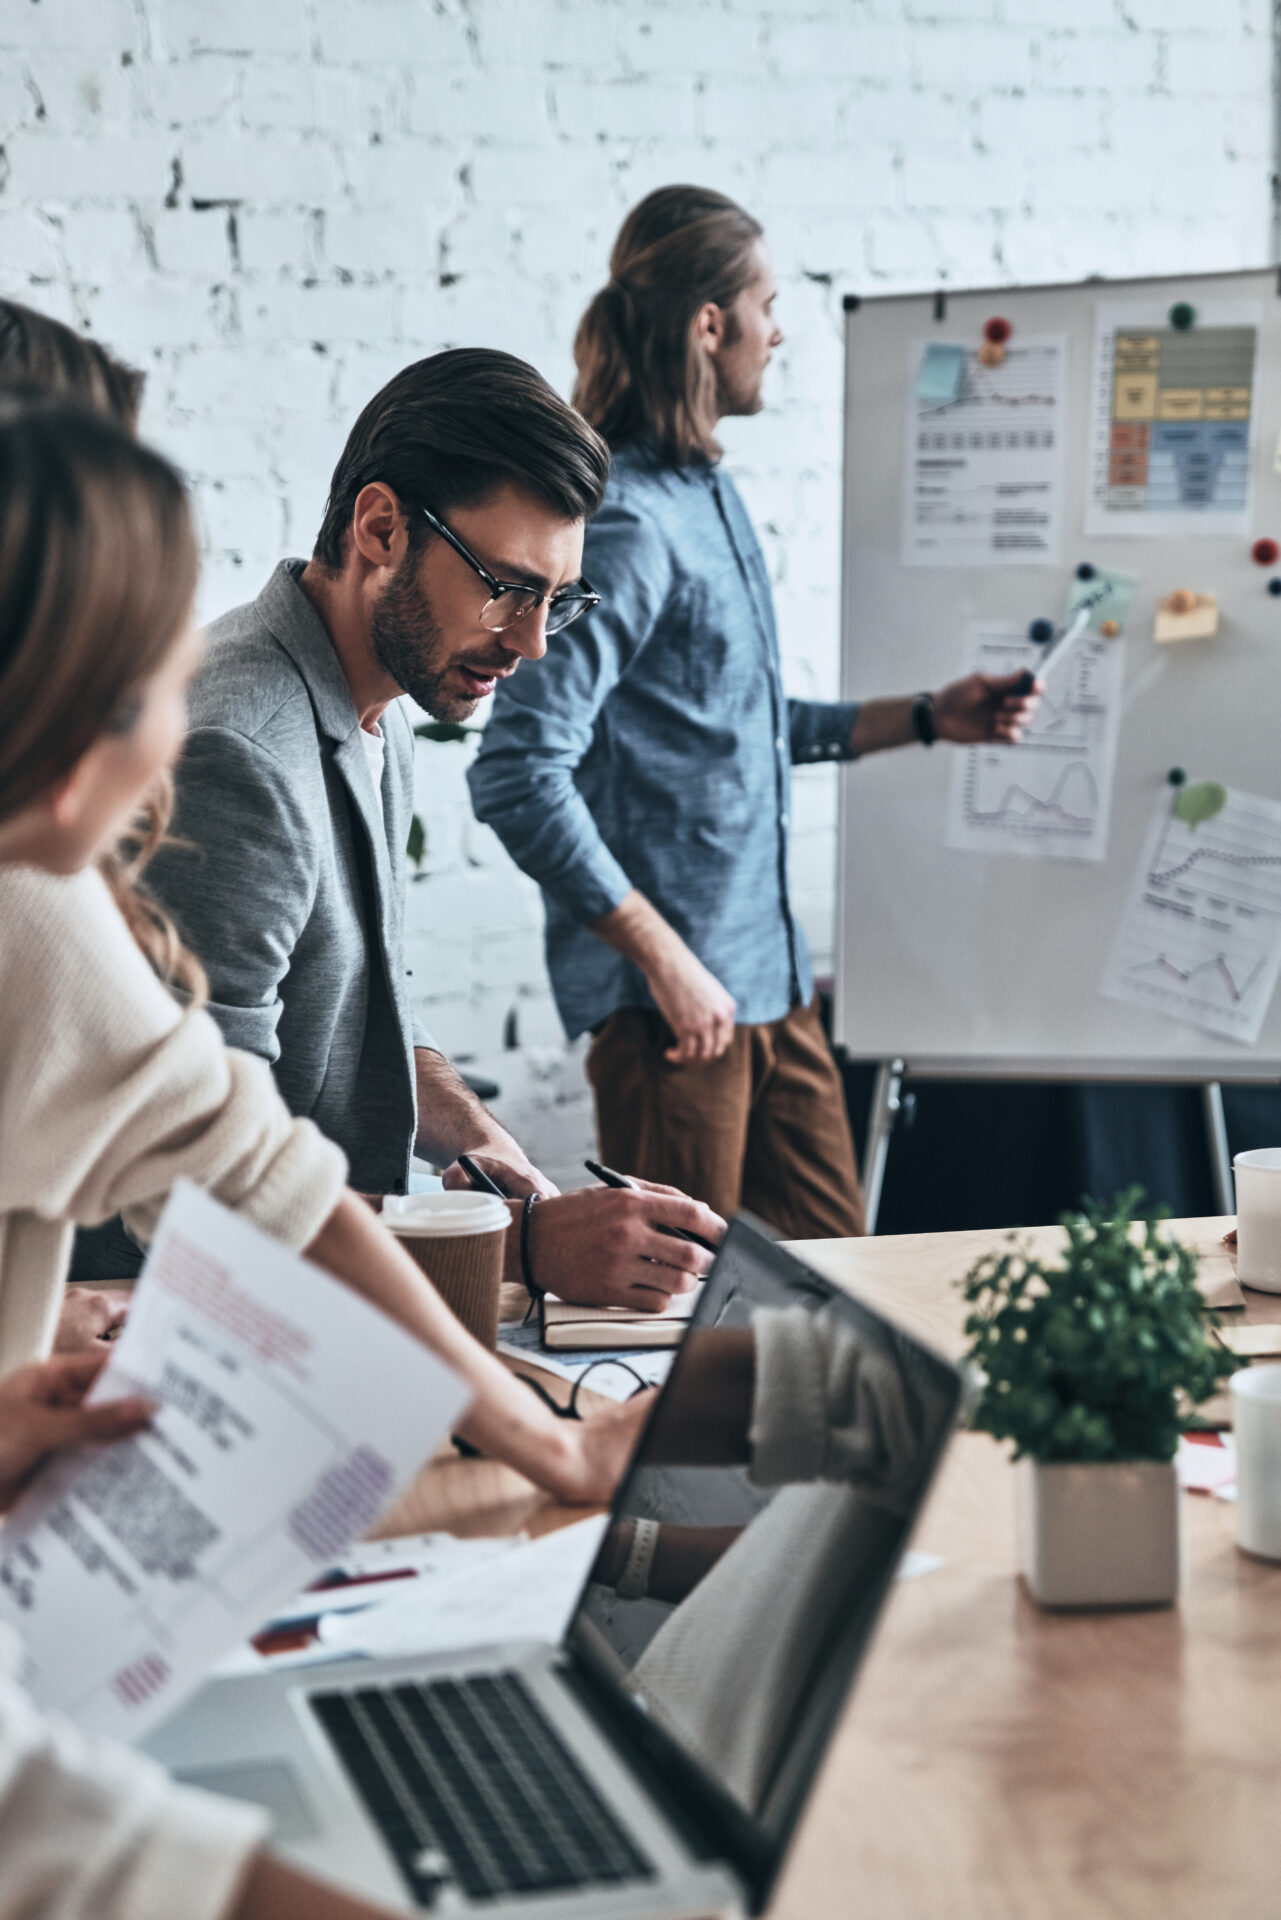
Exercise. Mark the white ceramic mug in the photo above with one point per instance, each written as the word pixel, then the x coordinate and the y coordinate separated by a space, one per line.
pixel 1258 1183
pixel 1256 1431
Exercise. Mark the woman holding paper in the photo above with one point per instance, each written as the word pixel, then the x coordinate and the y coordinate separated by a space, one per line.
pixel 110 1086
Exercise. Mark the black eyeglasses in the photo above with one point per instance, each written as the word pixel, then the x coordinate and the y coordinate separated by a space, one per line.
pixel 509 602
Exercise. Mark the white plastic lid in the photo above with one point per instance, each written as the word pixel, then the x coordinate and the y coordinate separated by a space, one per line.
pixel 444 1215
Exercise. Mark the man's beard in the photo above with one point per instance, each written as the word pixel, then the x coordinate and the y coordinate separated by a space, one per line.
pixel 411 648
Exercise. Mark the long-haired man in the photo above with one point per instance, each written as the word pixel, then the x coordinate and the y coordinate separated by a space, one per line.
pixel 642 773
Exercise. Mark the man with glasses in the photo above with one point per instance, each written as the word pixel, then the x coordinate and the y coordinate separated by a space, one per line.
pixel 450 547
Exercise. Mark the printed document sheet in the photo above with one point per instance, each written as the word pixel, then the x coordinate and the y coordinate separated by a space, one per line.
pixel 290 1412
pixel 983 466
pixel 1200 937
pixel 1050 797
pixel 1174 420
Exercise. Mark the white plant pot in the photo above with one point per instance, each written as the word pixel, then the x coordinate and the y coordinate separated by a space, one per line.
pixel 1100 1535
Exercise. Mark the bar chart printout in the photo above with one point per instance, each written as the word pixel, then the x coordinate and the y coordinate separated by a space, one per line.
pixel 1173 418
pixel 983 473
pixel 1050 797
pixel 1200 936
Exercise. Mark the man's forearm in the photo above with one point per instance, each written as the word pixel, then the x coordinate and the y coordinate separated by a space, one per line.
pixel 883 723
pixel 639 932
pixel 451 1120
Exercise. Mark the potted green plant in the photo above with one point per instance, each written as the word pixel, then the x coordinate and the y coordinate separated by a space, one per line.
pixel 1092 1366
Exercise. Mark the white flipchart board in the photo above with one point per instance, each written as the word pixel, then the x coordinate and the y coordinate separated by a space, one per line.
pixel 981 963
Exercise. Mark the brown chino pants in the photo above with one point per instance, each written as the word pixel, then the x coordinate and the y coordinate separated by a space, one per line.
pixel 764 1127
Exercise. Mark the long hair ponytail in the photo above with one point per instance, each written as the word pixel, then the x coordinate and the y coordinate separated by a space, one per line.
pixel 640 369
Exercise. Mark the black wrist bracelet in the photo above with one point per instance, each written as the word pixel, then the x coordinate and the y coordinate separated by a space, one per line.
pixel 923 719
pixel 532 1287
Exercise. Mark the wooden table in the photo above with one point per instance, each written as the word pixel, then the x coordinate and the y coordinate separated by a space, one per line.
pixel 998 1762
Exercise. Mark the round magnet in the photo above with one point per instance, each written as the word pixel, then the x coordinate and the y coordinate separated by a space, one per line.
pixel 1182 316
pixel 1042 631
pixel 1274 586
pixel 991 354
pixel 1265 553
pixel 1182 600
pixel 1086 570
pixel 1176 776
pixel 1109 629
pixel 997 330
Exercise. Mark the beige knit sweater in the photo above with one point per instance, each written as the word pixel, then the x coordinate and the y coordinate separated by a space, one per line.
pixel 109 1090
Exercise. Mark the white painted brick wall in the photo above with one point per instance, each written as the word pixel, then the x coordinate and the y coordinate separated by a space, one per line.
pixel 273 204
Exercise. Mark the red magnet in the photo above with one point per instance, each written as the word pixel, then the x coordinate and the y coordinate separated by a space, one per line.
pixel 997 331
pixel 1265 553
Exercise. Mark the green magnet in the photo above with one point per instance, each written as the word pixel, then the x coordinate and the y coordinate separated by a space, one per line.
pixel 1200 802
pixel 1182 316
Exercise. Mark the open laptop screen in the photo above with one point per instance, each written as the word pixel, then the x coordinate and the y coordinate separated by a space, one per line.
pixel 784 1466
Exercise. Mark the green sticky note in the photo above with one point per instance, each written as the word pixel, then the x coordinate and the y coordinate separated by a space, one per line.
pixel 1200 802
pixel 939 380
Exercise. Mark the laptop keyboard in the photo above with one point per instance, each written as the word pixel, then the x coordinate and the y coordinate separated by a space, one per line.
pixel 468 1781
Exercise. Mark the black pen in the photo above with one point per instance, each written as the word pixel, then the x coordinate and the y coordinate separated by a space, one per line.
pixel 609 1178
pixel 481 1181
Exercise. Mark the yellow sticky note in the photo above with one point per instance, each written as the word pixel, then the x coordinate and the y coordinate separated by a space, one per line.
pixel 1201 623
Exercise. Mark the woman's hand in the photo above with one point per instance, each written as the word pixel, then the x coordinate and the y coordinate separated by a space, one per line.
pixel 88 1319
pixel 42 1411
pixel 597 1451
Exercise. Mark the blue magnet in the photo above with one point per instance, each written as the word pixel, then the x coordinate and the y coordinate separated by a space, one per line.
pixel 1177 776
pixel 1274 585
pixel 1086 570
pixel 1042 631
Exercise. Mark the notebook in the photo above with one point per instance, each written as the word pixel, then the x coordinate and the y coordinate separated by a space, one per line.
pixel 587 1329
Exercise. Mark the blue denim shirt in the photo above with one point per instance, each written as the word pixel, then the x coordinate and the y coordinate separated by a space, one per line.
pixel 652 748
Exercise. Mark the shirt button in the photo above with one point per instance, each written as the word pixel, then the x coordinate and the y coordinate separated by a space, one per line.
pixel 782 819
pixel 781 744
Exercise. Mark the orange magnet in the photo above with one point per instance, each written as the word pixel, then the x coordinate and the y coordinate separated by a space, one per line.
pixel 1182 600
pixel 991 354
pixel 1109 629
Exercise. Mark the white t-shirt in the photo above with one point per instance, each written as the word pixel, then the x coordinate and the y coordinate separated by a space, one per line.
pixel 375 753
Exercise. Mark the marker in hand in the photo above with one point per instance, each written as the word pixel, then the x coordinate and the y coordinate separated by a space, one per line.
pixel 1057 652
pixel 609 1178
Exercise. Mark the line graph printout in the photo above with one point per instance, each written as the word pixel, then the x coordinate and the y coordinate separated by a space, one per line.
pixel 1200 937
pixel 1173 423
pixel 983 473
pixel 1050 797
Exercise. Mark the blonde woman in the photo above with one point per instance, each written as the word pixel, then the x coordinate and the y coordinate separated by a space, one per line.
pixel 110 1088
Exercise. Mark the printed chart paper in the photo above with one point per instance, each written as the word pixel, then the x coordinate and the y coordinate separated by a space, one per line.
pixel 1200 937
pixel 1050 797
pixel 1174 420
pixel 290 1412
pixel 983 472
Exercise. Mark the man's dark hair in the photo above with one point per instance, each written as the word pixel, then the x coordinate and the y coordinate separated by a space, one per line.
pixel 447 430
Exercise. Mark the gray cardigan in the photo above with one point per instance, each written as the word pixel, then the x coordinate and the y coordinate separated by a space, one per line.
pixel 292 886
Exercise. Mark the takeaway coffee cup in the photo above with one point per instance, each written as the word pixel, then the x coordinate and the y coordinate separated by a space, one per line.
pixel 458 1241
pixel 1256 1432
pixel 1258 1185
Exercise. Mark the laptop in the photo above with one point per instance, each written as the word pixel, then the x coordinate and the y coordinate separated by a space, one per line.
pixel 658 1760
